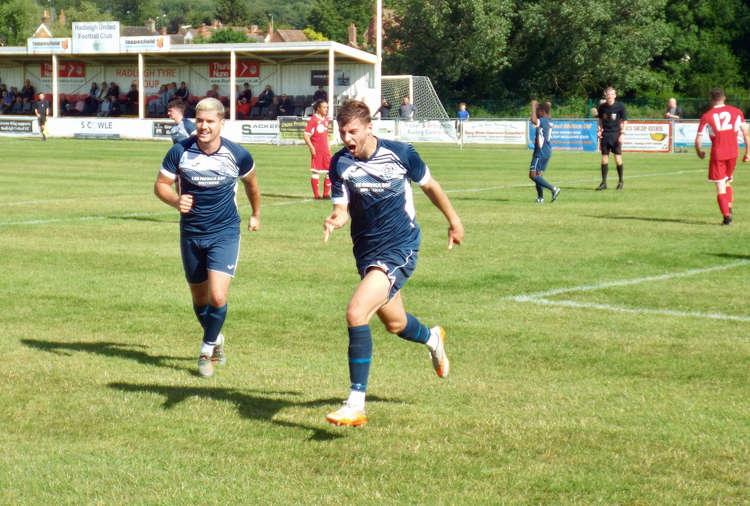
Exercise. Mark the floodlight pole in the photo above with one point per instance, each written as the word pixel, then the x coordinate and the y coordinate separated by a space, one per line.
pixel 232 85
pixel 55 102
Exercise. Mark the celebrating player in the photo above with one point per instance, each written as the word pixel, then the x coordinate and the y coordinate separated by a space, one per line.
pixel 611 130
pixel 722 122
pixel 183 127
pixel 208 167
pixel 542 150
pixel 371 179
pixel 316 138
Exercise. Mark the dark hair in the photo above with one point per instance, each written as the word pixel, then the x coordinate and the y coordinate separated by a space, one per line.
pixel 353 109
pixel 316 105
pixel 543 107
pixel 176 103
pixel 717 94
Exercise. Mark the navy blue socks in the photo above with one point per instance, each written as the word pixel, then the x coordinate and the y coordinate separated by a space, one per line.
pixel 214 320
pixel 414 330
pixel 360 356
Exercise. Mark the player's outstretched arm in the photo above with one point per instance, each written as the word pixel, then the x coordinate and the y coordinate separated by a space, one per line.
pixel 337 219
pixel 437 196
pixel 533 112
pixel 253 195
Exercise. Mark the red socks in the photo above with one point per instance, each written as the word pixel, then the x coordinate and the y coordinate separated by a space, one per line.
pixel 730 196
pixel 723 199
pixel 326 187
pixel 314 179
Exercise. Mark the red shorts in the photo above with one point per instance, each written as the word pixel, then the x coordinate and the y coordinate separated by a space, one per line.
pixel 721 170
pixel 320 161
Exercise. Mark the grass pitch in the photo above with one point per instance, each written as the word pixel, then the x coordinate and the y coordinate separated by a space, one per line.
pixel 599 345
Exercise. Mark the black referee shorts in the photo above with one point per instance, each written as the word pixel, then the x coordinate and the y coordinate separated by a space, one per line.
pixel 609 143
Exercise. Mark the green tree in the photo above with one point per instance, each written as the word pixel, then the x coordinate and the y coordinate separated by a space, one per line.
pixel 333 17
pixel 224 35
pixel 18 20
pixel 460 44
pixel 313 35
pixel 232 12
pixel 84 11
pixel 578 48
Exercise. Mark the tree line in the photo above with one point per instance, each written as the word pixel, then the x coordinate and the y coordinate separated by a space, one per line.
pixel 480 49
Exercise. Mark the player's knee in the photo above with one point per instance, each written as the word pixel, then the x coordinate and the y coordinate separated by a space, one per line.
pixel 532 174
pixel 355 314
pixel 218 299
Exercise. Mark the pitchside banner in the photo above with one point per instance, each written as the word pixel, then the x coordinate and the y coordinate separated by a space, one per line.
pixel 494 132
pixel 252 132
pixel 653 136
pixel 427 131
pixel 685 132
pixel 384 129
pixel 570 135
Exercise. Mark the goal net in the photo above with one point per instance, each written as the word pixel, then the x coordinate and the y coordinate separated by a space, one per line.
pixel 420 91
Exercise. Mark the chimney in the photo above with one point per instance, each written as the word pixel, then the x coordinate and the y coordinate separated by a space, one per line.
pixel 45 17
pixel 61 18
pixel 353 35
pixel 150 25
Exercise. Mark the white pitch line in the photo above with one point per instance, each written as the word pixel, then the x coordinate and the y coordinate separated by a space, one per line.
pixel 667 312
pixel 540 297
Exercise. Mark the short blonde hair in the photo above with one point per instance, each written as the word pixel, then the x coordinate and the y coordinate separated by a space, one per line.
pixel 210 104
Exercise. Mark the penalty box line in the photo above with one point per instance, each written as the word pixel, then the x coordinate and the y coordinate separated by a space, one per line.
pixel 542 297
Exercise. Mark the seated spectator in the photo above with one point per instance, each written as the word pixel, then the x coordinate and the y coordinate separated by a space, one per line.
pixel 243 109
pixel 320 94
pixel 213 92
pixel 266 97
pixel 5 102
pixel 246 93
pixel 102 91
pixel 17 106
pixel 131 104
pixel 285 107
pixel 92 104
pixel 113 91
pixel 164 97
pixel 13 92
pixel 106 107
pixel 80 105
pixel 27 91
pixel 272 111
pixel 182 92
pixel 28 106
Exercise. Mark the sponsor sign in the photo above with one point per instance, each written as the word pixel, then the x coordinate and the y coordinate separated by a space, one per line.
pixel 153 76
pixel 16 126
pixel 648 136
pixel 49 46
pixel 570 135
pixel 292 128
pixel 96 37
pixel 319 78
pixel 427 131
pixel 247 70
pixel 144 44
pixel 160 129
pixel 100 127
pixel 68 72
pixel 494 132
pixel 252 132
pixel 384 129
pixel 685 132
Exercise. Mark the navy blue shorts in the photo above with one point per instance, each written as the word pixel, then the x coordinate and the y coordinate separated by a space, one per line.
pixel 397 265
pixel 213 253
pixel 538 164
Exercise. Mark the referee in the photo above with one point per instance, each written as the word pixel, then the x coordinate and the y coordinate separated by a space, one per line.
pixel 611 130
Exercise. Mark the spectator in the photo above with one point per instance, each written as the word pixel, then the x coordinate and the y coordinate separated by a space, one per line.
pixel 5 102
pixel 272 111
pixel 164 98
pixel 213 92
pixel 320 95
pixel 102 92
pixel 106 107
pixel 462 113
pixel 286 107
pixel 172 90
pixel 27 91
pixel 246 93
pixel 13 93
pixel 113 91
pixel 406 111
pixel 594 112
pixel 266 97
pixel 182 92
pixel 28 107
pixel 17 106
pixel 243 109
pixel 131 100
pixel 674 111
pixel 384 110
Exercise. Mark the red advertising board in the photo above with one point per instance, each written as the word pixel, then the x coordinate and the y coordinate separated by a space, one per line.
pixel 65 69
pixel 244 69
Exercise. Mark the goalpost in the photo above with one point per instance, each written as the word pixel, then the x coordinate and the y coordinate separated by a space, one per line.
pixel 420 91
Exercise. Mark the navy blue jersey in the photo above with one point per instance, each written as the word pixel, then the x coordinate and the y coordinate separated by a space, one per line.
pixel 379 196
pixel 181 131
pixel 542 146
pixel 212 181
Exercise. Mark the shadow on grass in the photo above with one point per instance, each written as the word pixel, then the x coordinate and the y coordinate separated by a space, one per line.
pixel 249 405
pixel 110 349
pixel 731 255
pixel 481 199
pixel 651 218
pixel 286 196
pixel 166 219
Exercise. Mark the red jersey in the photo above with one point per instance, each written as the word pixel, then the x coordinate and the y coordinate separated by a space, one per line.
pixel 722 122
pixel 317 130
